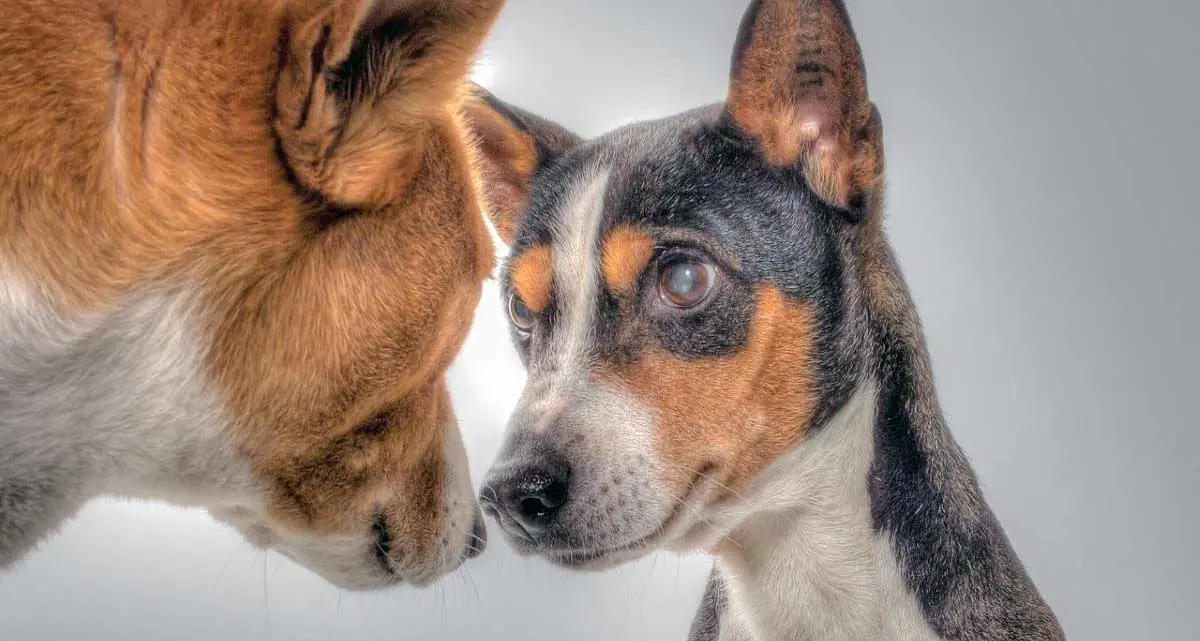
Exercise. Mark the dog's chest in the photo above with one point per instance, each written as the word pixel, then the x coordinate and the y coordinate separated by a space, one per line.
pixel 122 388
pixel 824 589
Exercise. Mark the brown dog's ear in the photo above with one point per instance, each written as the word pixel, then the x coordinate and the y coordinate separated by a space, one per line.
pixel 363 80
pixel 513 145
pixel 798 87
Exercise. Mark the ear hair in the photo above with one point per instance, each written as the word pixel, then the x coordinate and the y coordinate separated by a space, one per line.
pixel 513 145
pixel 360 83
pixel 798 88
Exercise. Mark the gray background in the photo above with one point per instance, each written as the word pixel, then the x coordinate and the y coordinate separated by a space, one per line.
pixel 1042 169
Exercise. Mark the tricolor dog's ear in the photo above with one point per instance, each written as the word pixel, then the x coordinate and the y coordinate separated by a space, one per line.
pixel 513 145
pixel 361 81
pixel 798 87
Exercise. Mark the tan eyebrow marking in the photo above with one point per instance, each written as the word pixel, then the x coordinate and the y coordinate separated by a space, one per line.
pixel 627 250
pixel 532 274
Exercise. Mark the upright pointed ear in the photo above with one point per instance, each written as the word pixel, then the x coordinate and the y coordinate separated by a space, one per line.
pixel 798 87
pixel 362 81
pixel 513 146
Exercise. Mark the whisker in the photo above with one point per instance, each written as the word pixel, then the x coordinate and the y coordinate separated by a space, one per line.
pixel 471 583
pixel 721 485
pixel 710 478
pixel 266 595
pixel 232 553
pixel 680 501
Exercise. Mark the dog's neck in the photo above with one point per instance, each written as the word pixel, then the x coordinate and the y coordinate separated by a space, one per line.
pixel 808 563
pixel 110 403
pixel 872 528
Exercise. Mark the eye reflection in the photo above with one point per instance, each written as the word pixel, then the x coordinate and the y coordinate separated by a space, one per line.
pixel 685 283
pixel 521 316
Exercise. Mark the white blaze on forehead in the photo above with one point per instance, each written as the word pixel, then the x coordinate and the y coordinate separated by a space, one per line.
pixel 576 274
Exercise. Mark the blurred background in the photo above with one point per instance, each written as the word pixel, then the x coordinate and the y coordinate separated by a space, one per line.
pixel 1042 159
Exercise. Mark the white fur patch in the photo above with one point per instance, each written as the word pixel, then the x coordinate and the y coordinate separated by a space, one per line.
pixel 118 396
pixel 577 276
pixel 118 403
pixel 803 561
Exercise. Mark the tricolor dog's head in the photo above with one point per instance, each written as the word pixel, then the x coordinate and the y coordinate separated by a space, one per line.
pixel 676 290
pixel 257 228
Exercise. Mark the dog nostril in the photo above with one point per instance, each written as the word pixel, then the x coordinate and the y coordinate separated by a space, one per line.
pixel 541 497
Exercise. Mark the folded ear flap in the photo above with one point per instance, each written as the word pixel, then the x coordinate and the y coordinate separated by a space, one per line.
pixel 513 146
pixel 361 81
pixel 798 87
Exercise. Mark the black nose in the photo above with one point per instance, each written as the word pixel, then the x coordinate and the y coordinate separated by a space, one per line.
pixel 539 497
pixel 532 497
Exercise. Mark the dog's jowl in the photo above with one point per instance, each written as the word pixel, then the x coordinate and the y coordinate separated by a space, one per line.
pixel 723 356
pixel 240 243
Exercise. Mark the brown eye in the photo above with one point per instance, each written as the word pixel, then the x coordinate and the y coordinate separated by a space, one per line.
pixel 522 317
pixel 685 283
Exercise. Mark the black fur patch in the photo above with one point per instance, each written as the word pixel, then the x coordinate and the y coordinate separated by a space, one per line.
pixel 953 551
pixel 356 76
pixel 706 626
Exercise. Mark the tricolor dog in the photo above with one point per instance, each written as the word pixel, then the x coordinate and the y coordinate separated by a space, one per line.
pixel 722 355
pixel 240 244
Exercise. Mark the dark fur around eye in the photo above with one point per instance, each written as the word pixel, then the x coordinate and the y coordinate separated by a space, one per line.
pixel 718 326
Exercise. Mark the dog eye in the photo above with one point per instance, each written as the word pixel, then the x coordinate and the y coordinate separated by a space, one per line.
pixel 522 317
pixel 685 283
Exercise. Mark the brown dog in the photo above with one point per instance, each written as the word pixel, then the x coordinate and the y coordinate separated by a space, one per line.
pixel 240 243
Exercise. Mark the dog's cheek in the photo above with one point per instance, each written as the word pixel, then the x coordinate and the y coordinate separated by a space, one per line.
pixel 414 488
pixel 420 518
pixel 779 365
pixel 730 416
pixel 322 495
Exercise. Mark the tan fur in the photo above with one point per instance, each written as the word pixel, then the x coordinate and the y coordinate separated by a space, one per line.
pixel 508 158
pixel 626 252
pixel 801 90
pixel 532 273
pixel 732 416
pixel 137 146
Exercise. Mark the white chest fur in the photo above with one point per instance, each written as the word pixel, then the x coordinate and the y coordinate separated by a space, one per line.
pixel 118 398
pixel 810 566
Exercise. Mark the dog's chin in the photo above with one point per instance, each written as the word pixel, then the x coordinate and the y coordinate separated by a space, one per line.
pixel 356 564
pixel 669 537
pixel 598 560
pixel 353 571
pixel 366 580
pixel 584 559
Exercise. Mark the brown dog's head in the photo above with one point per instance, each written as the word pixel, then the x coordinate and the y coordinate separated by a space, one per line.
pixel 274 248
pixel 680 292
pixel 335 361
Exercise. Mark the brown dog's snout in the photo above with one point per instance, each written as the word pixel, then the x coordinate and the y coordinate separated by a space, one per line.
pixel 478 541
